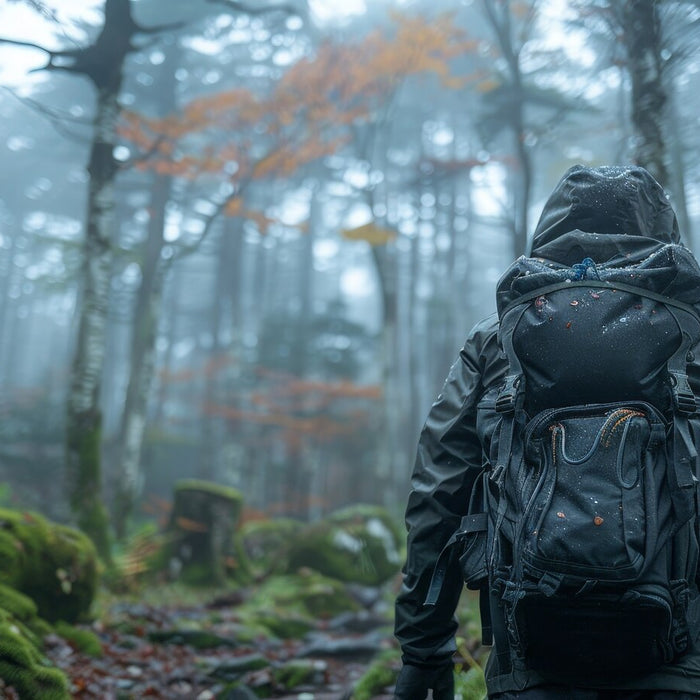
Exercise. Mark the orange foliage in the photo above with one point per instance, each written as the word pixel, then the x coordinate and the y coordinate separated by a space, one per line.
pixel 300 408
pixel 305 116
pixel 319 426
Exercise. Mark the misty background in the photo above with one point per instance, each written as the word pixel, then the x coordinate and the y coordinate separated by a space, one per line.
pixel 244 242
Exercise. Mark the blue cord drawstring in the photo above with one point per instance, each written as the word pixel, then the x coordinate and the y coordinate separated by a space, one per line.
pixel 581 270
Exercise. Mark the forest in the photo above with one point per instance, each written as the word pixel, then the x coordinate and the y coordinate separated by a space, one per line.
pixel 243 241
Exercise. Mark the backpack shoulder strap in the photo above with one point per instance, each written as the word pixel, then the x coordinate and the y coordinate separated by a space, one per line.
pixel 685 453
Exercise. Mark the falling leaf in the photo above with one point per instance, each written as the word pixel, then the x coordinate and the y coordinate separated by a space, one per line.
pixel 191 525
pixel 370 232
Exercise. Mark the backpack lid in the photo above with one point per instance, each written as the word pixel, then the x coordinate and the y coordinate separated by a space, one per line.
pixel 626 209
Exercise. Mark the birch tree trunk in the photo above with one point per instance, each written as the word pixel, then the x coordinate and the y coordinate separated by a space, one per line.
pixel 84 418
pixel 103 64
pixel 148 309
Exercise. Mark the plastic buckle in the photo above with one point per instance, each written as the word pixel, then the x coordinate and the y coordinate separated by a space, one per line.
pixel 505 402
pixel 683 396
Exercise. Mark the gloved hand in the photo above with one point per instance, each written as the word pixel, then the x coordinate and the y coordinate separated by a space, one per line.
pixel 414 682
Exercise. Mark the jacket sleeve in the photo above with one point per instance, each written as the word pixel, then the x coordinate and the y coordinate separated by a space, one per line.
pixel 449 457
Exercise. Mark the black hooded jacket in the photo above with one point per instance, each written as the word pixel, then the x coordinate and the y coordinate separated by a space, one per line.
pixel 608 214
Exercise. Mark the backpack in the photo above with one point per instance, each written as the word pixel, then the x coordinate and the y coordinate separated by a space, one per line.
pixel 583 526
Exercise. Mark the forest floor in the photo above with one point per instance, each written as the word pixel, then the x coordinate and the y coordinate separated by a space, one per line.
pixel 155 650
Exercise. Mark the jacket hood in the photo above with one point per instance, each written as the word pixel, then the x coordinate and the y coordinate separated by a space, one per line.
pixel 610 208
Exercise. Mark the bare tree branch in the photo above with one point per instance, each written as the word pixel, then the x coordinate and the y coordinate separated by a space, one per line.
pixel 39 7
pixel 56 118
pixel 145 155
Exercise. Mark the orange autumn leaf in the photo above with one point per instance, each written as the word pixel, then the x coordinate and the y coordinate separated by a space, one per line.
pixel 370 232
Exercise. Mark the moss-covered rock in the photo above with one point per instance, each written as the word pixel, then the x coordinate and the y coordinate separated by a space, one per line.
pixel 306 593
pixel 201 529
pixel 195 638
pixel 297 672
pixel 360 544
pixel 263 546
pixel 234 668
pixel 55 565
pixel 289 606
pixel 20 606
pixel 283 624
pixel 22 665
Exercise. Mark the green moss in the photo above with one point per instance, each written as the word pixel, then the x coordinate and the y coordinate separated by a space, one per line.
pixel 284 625
pixel 195 638
pixel 84 640
pixel 290 606
pixel 226 492
pixel 362 512
pixel 295 673
pixel 85 441
pixel 20 606
pixel 380 675
pixel 359 544
pixel 56 566
pixel 235 667
pixel 262 547
pixel 24 668
pixel 471 685
pixel 306 594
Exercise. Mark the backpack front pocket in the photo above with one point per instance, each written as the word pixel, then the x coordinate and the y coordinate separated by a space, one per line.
pixel 594 507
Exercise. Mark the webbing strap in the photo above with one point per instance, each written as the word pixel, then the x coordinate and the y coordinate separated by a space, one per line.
pixel 474 522
pixel 685 455
pixel 600 284
pixel 485 614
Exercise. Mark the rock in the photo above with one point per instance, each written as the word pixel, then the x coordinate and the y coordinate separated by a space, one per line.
pixel 307 595
pixel 55 565
pixel 358 622
pixel 265 545
pixel 236 666
pixel 299 672
pixel 361 648
pixel 197 639
pixel 237 692
pixel 360 544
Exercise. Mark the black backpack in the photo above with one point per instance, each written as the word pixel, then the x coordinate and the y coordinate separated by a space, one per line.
pixel 584 526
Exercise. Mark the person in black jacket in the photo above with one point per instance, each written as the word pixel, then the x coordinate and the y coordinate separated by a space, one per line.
pixel 631 212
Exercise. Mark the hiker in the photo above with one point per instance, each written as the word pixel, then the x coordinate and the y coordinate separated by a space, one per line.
pixel 582 599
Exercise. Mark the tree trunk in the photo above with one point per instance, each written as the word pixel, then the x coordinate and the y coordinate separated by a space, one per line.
pixel 142 361
pixel 642 37
pixel 677 180
pixel 500 21
pixel 147 312
pixel 84 418
pixel 201 529
pixel 102 62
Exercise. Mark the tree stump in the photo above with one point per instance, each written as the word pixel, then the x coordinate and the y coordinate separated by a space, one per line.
pixel 201 528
